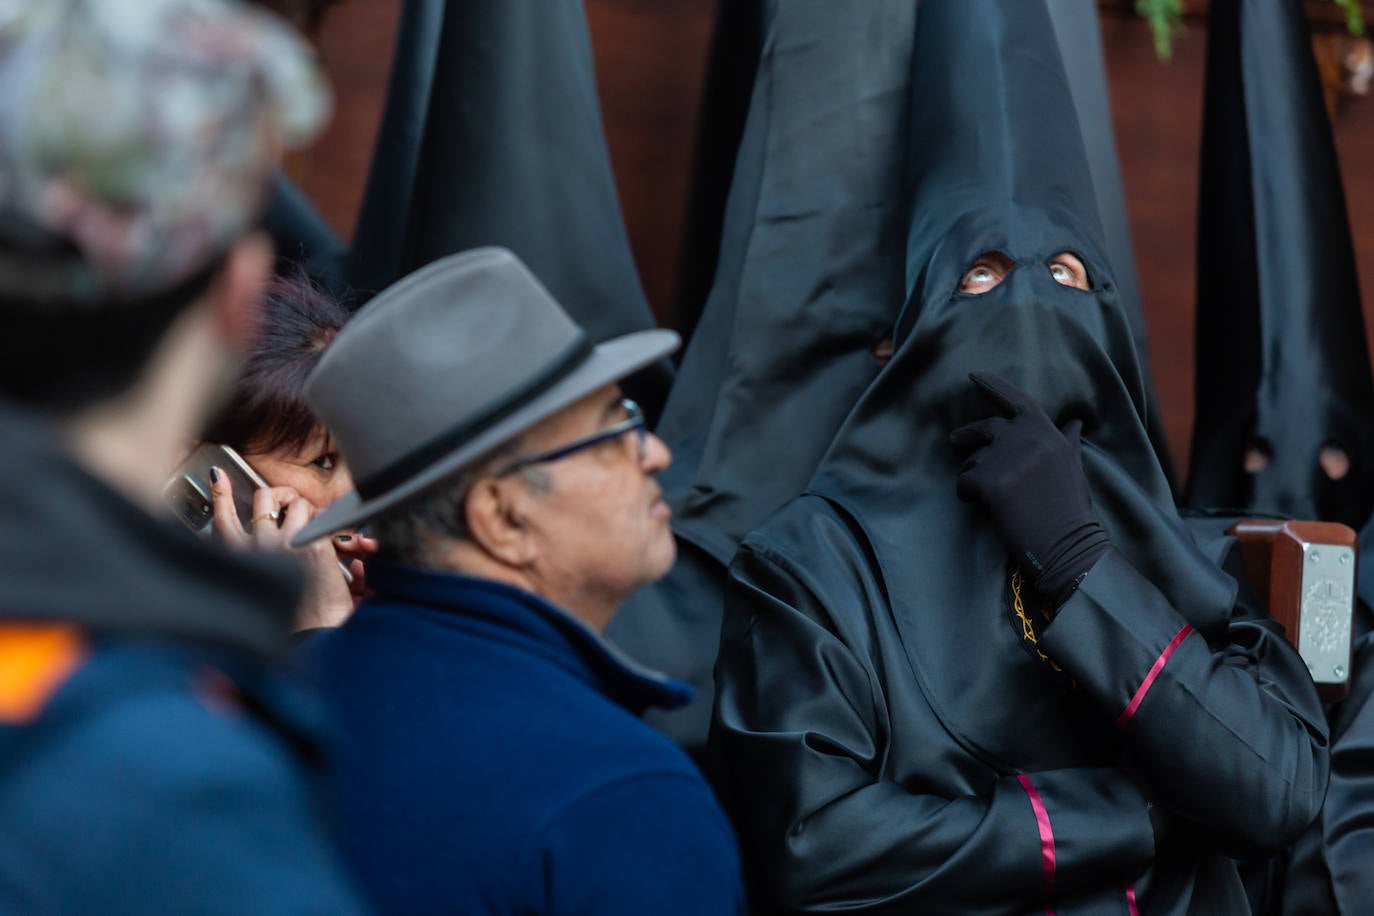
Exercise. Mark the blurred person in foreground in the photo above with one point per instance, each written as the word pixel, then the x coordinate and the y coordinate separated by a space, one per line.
pixel 493 760
pixel 267 421
pixel 154 758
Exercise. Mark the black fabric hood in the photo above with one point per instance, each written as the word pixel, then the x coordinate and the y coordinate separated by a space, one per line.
pixel 1282 365
pixel 72 550
pixel 809 275
pixel 492 135
pixel 1000 166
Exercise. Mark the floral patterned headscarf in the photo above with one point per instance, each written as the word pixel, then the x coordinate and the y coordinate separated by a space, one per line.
pixel 142 134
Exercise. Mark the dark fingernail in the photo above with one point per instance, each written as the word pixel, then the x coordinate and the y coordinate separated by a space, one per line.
pixel 214 475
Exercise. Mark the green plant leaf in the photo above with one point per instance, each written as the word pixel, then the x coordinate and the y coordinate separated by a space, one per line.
pixel 1166 20
pixel 1354 15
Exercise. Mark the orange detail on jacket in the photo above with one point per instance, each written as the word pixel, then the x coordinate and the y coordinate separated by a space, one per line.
pixel 35 660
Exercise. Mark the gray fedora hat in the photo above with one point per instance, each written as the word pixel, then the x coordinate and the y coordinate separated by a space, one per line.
pixel 445 365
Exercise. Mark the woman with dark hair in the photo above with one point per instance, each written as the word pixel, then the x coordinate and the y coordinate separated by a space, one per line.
pixel 268 422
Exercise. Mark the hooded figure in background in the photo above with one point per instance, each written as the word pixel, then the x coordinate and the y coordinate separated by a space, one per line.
pixel 492 136
pixel 807 288
pixel 736 46
pixel 981 666
pixel 301 234
pixel 1285 399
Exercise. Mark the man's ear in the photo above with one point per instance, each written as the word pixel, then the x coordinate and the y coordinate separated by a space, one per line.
pixel 498 524
pixel 236 295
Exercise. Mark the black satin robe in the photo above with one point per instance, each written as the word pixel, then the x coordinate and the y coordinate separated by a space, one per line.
pixel 889 736
pixel 851 791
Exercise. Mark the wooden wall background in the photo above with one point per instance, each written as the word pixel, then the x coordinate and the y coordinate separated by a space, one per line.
pixel 650 57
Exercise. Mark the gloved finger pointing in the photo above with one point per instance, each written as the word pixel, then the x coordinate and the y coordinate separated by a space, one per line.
pixel 977 435
pixel 1009 399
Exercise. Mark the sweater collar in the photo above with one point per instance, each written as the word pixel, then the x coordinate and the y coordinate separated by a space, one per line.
pixel 534 618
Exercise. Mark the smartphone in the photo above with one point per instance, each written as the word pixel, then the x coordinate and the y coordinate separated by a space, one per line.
pixel 188 492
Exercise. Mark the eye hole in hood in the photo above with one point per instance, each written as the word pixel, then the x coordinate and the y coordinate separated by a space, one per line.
pixel 990 269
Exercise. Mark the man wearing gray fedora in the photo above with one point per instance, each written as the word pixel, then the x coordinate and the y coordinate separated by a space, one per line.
pixel 493 759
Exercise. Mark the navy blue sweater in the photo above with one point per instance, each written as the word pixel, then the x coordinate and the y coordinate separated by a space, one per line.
pixel 494 761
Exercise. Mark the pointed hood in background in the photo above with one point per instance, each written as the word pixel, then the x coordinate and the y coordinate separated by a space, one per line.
pixel 736 44
pixel 300 234
pixel 1282 366
pixel 492 135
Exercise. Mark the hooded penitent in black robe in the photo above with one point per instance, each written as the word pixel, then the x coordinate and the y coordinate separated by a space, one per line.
pixel 492 136
pixel 809 279
pixel 890 735
pixel 808 282
pixel 1281 361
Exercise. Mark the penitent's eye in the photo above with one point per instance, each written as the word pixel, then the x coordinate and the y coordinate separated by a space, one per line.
pixel 985 273
pixel 326 461
pixel 1068 270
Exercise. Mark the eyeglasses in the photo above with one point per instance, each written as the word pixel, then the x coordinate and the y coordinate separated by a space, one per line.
pixel 633 422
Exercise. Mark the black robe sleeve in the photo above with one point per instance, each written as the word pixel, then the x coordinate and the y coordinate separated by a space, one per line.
pixel 1230 734
pixel 800 744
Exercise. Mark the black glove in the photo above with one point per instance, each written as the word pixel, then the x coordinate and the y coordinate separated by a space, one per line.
pixel 1029 477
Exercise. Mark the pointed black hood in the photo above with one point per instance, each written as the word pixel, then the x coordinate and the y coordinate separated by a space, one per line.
pixel 998 165
pixel 492 136
pixel 1282 367
pixel 996 146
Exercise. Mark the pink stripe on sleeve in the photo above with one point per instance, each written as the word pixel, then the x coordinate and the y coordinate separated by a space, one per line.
pixel 1149 681
pixel 1042 821
pixel 1130 901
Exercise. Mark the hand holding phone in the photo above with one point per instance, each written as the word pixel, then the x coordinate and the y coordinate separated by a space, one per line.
pixel 189 492
pixel 232 507
pixel 278 514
